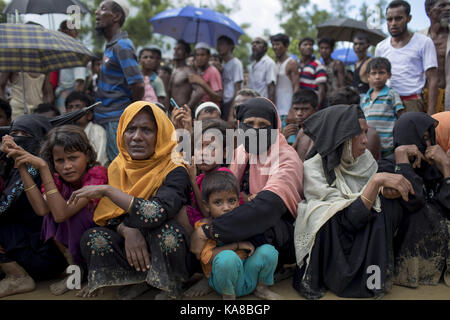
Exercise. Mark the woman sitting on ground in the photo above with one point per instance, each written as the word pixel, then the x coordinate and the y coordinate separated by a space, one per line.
pixel 140 243
pixel 422 241
pixel 344 228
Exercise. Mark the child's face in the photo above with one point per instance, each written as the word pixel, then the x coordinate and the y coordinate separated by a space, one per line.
pixel 209 159
pixel 206 114
pixel 378 77
pixel 71 166
pixel 149 60
pixel 78 105
pixel 302 111
pixel 222 202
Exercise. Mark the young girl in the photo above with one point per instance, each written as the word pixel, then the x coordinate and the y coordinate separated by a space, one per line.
pixel 68 163
pixel 207 165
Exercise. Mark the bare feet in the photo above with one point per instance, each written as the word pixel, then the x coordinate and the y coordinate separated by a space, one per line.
pixel 14 285
pixel 229 297
pixel 199 289
pixel 132 291
pixel 84 292
pixel 60 287
pixel 263 292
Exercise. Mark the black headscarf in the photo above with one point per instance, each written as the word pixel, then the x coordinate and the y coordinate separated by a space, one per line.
pixel 329 129
pixel 410 129
pixel 35 125
pixel 262 108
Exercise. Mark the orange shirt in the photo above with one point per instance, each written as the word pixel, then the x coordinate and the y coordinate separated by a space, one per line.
pixel 206 255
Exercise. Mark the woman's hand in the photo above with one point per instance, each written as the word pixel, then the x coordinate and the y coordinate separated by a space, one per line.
pixel 407 153
pixel 290 130
pixel 8 143
pixel 396 182
pixel 182 118
pixel 436 155
pixel 88 192
pixel 198 241
pixel 390 193
pixel 136 248
pixel 247 246
pixel 22 157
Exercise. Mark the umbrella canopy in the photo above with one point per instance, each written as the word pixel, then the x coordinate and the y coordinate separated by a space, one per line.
pixel 32 48
pixel 346 55
pixel 346 29
pixel 194 25
pixel 43 6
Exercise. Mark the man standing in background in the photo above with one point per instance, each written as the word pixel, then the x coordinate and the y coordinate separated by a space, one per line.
pixel 439 13
pixel 287 75
pixel 232 73
pixel 120 80
pixel 262 72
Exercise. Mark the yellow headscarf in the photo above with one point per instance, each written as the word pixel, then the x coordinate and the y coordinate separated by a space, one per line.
pixel 139 178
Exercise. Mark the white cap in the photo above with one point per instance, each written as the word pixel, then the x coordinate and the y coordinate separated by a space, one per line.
pixel 124 5
pixel 202 45
pixel 204 105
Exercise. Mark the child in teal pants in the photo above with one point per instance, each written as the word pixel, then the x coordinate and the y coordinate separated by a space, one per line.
pixel 236 269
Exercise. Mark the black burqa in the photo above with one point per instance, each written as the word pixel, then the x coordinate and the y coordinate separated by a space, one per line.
pixel 352 253
pixel 20 226
pixel 421 244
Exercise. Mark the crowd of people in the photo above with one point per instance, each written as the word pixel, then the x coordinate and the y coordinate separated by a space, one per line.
pixel 328 175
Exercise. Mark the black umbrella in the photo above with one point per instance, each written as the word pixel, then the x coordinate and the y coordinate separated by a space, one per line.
pixel 43 6
pixel 67 118
pixel 345 29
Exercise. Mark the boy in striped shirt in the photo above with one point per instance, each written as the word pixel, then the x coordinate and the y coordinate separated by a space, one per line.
pixel 381 105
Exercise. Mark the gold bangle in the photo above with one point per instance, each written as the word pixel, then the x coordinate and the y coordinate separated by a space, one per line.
pixel 131 203
pixel 370 201
pixel 51 192
pixel 44 183
pixel 29 188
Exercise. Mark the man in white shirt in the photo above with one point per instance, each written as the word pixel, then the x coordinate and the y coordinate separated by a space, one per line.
pixel 232 73
pixel 287 74
pixel 262 72
pixel 413 59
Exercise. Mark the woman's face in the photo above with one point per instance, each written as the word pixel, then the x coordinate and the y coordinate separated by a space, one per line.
pixel 359 142
pixel 140 136
pixel 257 122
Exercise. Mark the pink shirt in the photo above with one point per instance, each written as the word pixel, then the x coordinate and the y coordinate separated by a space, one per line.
pixel 213 79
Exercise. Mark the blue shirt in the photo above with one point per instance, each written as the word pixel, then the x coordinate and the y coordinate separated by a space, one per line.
pixel 381 114
pixel 119 70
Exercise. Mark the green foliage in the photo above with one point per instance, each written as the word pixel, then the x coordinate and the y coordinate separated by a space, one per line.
pixel 2 16
pixel 301 21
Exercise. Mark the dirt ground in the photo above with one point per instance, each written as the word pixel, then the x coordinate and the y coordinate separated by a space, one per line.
pixel 284 288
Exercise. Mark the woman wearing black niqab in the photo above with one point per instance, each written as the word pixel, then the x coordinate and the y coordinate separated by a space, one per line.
pixel 421 243
pixel 23 256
